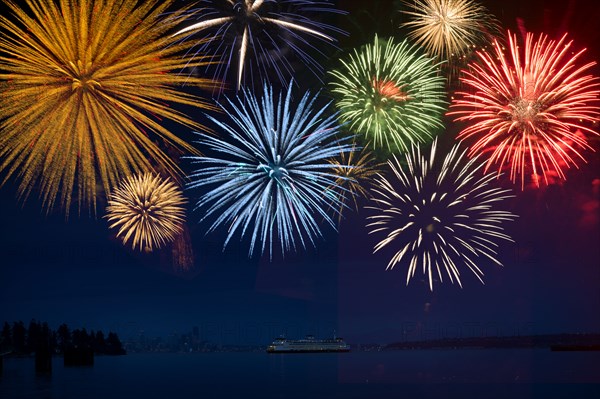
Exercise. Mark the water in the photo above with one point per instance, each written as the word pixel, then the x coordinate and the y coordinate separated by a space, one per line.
pixel 519 373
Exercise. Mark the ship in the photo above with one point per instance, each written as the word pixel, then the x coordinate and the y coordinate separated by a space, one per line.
pixel 308 345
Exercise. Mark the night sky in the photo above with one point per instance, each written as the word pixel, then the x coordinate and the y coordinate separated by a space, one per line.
pixel 76 271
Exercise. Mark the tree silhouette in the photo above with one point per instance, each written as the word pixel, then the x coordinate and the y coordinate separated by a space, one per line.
pixel 18 337
pixel 39 337
pixel 33 336
pixel 63 337
pixel 6 343
pixel 99 342
pixel 113 345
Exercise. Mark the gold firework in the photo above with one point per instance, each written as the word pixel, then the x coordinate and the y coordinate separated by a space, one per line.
pixel 147 210
pixel 354 169
pixel 449 28
pixel 84 85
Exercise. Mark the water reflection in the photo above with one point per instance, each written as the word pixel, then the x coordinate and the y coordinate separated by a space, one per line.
pixel 421 373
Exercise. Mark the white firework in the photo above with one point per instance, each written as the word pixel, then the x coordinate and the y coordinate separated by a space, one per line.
pixel 259 30
pixel 439 214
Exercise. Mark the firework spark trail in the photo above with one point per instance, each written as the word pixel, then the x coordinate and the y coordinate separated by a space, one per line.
pixel 228 26
pixel 439 214
pixel 529 110
pixel 271 176
pixel 389 94
pixel 147 210
pixel 82 97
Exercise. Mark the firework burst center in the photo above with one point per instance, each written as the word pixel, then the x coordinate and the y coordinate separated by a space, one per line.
pixel 275 169
pixel 82 74
pixel 525 112
pixel 386 91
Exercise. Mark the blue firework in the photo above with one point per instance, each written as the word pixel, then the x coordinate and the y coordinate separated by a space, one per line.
pixel 256 36
pixel 271 175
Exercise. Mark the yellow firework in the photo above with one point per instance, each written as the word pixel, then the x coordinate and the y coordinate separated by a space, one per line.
pixel 83 87
pixel 147 210
pixel 449 28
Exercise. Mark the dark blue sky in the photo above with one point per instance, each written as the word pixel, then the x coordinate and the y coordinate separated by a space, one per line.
pixel 76 272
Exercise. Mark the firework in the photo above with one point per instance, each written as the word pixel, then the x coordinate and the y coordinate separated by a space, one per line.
pixel 449 28
pixel 272 179
pixel 442 214
pixel 147 210
pixel 355 170
pixel 390 94
pixel 528 110
pixel 255 35
pixel 83 87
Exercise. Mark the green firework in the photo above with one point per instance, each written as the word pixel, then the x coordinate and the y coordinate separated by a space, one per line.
pixel 390 94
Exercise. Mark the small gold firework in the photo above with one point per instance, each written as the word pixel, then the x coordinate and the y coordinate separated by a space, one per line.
pixel 84 86
pixel 354 169
pixel 147 210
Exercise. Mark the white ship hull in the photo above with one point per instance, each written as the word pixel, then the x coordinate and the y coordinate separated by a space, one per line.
pixel 308 345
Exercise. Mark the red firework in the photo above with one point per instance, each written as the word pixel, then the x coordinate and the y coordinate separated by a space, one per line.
pixel 528 110
pixel 388 88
